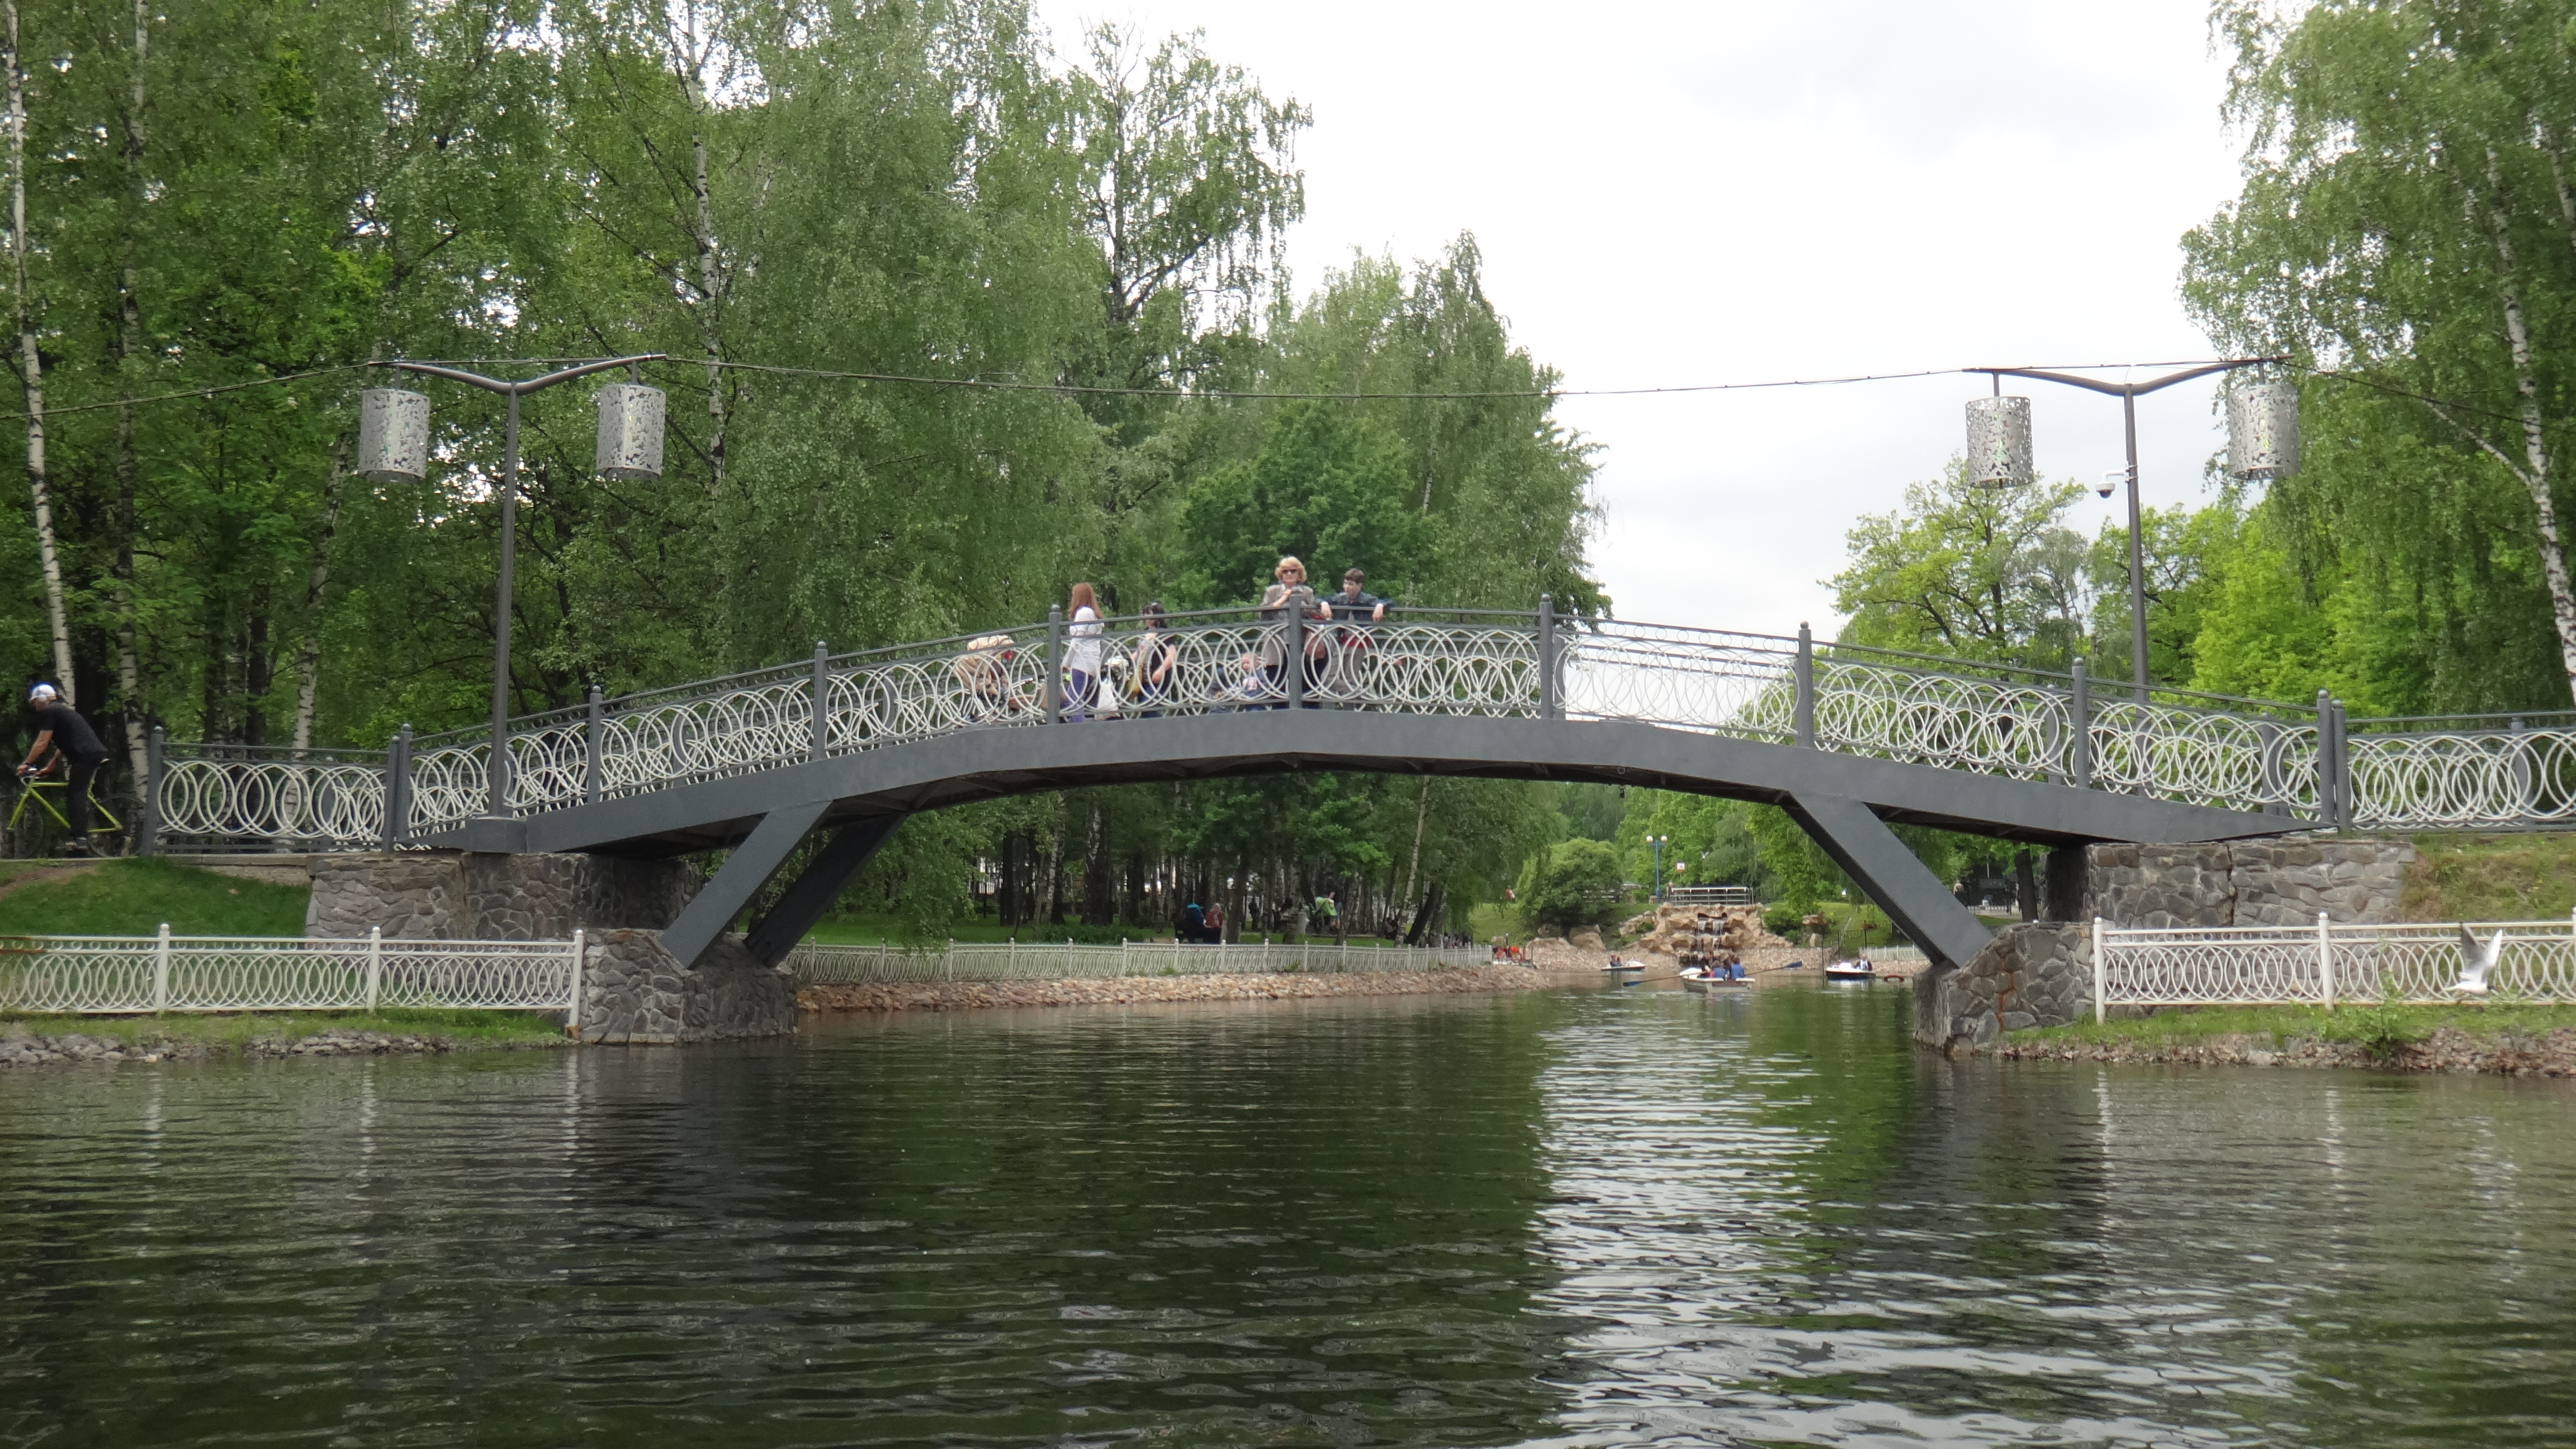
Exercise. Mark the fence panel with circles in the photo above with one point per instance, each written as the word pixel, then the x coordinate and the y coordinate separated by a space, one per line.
pixel 2274 965
pixel 816 964
pixel 1989 718
pixel 121 974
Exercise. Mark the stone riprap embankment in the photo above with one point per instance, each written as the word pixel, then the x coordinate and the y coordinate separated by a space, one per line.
pixel 2448 1049
pixel 23 1048
pixel 1129 990
pixel 2038 974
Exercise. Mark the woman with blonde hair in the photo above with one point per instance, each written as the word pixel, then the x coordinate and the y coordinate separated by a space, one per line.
pixel 1081 653
pixel 1287 593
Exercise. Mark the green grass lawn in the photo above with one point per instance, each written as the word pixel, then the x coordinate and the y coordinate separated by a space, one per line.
pixel 2365 1022
pixel 2491 878
pixel 133 898
pixel 227 1031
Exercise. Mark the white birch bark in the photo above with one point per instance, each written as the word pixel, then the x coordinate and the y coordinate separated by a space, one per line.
pixel 29 361
pixel 2536 473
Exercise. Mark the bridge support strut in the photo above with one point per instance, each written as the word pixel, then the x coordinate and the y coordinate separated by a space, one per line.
pixel 1903 886
pixel 744 872
pixel 823 880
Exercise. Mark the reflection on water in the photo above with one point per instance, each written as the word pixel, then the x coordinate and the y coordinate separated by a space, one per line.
pixel 1603 1218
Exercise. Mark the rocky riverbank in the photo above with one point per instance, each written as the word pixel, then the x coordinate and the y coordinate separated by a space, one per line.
pixel 2448 1049
pixel 1125 990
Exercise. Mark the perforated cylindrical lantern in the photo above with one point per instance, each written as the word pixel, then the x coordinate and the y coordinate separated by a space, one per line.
pixel 1999 442
pixel 2263 430
pixel 630 431
pixel 393 435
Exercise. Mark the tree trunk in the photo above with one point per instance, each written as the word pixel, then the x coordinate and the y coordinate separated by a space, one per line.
pixel 259 672
pixel 129 355
pixel 2025 886
pixel 1421 812
pixel 308 662
pixel 2537 474
pixel 31 365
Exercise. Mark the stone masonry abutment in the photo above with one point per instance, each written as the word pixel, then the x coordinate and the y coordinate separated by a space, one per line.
pixel 634 991
pixel 2040 973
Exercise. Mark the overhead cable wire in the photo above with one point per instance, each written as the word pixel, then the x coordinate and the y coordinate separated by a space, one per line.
pixel 987 384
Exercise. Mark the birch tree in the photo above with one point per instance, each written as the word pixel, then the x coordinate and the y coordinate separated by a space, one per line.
pixel 2408 226
pixel 31 365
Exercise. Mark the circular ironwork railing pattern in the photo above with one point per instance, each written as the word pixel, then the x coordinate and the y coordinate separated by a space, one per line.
pixel 249 973
pixel 2464 779
pixel 2255 965
pixel 1951 714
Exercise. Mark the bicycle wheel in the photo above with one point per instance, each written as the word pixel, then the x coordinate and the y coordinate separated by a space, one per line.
pixel 33 832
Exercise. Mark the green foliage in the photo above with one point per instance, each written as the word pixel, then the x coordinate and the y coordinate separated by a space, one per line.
pixel 1575 884
pixel 2402 228
pixel 2380 1027
pixel 1974 573
pixel 133 898
pixel 1327 487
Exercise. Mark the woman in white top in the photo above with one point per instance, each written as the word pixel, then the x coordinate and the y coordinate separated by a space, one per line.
pixel 1082 653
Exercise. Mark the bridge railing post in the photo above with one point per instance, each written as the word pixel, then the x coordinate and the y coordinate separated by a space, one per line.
pixel 2344 811
pixel 147 811
pixel 2079 727
pixel 822 700
pixel 398 789
pixel 1551 703
pixel 1053 695
pixel 594 741
pixel 2329 756
pixel 1296 656
pixel 1803 712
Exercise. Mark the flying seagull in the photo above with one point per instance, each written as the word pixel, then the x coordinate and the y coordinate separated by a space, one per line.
pixel 2476 961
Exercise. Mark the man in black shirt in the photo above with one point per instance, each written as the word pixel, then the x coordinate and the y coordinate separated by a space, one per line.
pixel 1352 609
pixel 60 727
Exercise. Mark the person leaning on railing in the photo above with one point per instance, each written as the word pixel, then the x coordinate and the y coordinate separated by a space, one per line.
pixel 1352 611
pixel 1156 655
pixel 1287 594
pixel 59 728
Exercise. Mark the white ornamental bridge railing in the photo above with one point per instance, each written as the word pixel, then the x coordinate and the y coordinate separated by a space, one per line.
pixel 116 975
pixel 2305 762
pixel 819 963
pixel 2319 966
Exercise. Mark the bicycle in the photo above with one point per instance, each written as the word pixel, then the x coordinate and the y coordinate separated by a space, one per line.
pixel 27 829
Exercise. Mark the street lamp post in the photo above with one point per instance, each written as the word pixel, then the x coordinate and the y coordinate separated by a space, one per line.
pixel 1657 841
pixel 2128 393
pixel 393 442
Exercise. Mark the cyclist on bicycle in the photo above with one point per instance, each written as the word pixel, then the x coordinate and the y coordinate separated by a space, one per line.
pixel 60 727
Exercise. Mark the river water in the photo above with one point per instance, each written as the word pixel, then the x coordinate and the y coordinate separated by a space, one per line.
pixel 1585 1218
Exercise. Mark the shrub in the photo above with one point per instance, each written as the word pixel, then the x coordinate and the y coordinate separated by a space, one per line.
pixel 1578 885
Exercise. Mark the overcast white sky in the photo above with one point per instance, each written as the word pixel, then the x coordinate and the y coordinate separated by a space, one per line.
pixel 1726 191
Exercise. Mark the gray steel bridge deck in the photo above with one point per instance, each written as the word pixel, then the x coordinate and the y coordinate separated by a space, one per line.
pixel 1845 738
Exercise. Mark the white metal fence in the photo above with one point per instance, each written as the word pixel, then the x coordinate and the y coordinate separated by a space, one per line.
pixel 814 964
pixel 2275 965
pixel 101 975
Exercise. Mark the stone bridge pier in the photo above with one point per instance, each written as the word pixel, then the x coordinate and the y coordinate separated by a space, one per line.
pixel 634 989
pixel 2040 973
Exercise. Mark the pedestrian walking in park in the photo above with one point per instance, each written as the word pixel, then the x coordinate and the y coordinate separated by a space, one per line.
pixel 1082 653
pixel 61 730
pixel 1287 595
pixel 1157 654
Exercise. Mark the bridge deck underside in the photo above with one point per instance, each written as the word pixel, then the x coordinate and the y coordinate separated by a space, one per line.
pixel 991 763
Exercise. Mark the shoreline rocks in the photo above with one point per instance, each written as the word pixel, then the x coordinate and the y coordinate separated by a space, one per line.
pixel 31 1049
pixel 2448 1049
pixel 1127 990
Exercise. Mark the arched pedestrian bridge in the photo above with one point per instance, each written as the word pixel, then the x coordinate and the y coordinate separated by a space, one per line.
pixel 1846 738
